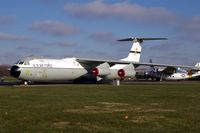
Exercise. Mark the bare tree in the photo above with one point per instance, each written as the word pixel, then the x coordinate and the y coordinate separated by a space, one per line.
pixel 4 70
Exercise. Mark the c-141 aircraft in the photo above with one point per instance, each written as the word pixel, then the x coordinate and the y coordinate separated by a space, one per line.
pixel 32 69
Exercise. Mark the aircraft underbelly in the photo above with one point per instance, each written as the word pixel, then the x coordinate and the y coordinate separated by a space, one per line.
pixel 42 74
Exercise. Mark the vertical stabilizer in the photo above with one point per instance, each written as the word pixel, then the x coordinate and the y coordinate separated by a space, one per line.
pixel 197 65
pixel 135 52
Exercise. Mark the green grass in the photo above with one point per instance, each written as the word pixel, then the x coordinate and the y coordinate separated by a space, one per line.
pixel 8 79
pixel 150 108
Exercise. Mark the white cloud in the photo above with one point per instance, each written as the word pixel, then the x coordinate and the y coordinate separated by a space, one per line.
pixel 54 28
pixel 64 43
pixel 28 49
pixel 10 37
pixel 7 19
pixel 190 29
pixel 107 37
pixel 122 10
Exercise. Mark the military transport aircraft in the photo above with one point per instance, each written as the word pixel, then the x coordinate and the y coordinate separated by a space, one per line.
pixel 38 69
pixel 171 74
pixel 168 73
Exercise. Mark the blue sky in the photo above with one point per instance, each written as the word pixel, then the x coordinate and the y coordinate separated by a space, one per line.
pixel 90 28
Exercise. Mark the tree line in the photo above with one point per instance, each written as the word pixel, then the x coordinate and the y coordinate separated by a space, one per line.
pixel 4 70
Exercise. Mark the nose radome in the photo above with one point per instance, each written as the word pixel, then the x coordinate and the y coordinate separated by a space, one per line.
pixel 15 71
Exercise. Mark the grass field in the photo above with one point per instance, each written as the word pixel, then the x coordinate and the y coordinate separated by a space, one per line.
pixel 148 108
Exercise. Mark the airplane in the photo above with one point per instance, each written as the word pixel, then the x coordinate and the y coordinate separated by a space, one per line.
pixel 171 74
pixel 39 69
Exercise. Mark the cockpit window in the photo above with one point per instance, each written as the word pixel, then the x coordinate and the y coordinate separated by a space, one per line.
pixel 21 62
pixel 26 63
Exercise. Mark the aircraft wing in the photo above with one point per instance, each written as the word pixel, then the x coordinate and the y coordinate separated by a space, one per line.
pixel 100 61
pixel 169 70
pixel 96 62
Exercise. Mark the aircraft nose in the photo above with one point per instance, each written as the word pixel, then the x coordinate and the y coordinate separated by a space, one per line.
pixel 15 71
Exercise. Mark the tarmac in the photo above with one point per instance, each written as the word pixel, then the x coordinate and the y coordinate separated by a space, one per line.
pixel 10 83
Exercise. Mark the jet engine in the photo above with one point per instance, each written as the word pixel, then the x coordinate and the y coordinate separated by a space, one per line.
pixel 123 72
pixel 127 71
pixel 101 70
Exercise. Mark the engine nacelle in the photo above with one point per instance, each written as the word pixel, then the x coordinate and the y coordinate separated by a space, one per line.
pixel 127 71
pixel 101 70
pixel 123 72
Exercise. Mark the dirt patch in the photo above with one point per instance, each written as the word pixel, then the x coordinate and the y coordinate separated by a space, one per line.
pixel 148 118
pixel 106 107
pixel 102 107
pixel 95 110
pixel 154 104
pixel 61 124
pixel 85 126
pixel 90 127
pixel 113 104
pixel 157 110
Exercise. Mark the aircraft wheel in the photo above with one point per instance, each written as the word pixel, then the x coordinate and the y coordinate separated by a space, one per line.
pixel 100 82
pixel 157 79
pixel 25 83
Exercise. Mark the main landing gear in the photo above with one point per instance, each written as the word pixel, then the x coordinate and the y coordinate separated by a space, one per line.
pixel 116 82
pixel 26 83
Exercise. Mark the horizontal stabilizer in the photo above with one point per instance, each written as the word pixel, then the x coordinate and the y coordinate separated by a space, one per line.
pixel 141 39
pixel 197 65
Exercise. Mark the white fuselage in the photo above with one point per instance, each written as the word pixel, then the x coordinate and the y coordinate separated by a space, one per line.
pixel 177 76
pixel 67 69
pixel 51 69
pixel 174 76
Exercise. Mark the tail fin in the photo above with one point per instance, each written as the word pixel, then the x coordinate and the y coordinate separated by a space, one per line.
pixel 197 65
pixel 135 52
pixel 197 73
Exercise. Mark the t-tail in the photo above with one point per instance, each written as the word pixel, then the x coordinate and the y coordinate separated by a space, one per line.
pixel 198 65
pixel 135 52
